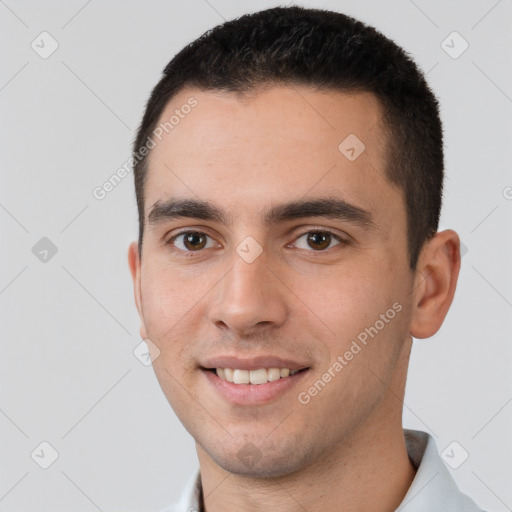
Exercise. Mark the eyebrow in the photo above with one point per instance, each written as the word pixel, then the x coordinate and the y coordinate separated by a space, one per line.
pixel 328 207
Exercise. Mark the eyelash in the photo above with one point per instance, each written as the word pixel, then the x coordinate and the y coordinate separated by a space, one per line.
pixel 188 254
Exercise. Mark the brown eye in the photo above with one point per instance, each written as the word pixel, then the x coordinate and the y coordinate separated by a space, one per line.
pixel 319 239
pixel 190 241
pixel 194 240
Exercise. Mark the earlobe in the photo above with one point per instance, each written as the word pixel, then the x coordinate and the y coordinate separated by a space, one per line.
pixel 434 286
pixel 134 265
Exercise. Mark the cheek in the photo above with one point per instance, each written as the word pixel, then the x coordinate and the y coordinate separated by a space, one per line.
pixel 166 301
pixel 366 311
pixel 347 299
pixel 174 308
pixel 367 314
pixel 161 309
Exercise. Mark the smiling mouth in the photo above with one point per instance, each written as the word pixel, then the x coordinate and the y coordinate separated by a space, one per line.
pixel 256 377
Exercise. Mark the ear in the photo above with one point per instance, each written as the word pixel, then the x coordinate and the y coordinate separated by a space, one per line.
pixel 134 264
pixel 435 282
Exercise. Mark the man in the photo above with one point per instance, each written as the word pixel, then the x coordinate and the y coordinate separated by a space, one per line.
pixel 288 173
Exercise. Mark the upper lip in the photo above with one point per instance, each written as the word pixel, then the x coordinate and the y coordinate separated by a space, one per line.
pixel 252 363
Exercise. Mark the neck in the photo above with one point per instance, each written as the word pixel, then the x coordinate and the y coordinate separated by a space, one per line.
pixel 374 479
pixel 369 470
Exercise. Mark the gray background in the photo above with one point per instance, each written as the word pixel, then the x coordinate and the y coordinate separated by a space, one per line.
pixel 68 324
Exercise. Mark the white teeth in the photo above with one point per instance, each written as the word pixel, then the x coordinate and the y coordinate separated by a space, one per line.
pixel 259 376
pixel 273 374
pixel 241 377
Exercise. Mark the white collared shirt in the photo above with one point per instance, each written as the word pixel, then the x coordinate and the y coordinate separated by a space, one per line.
pixel 432 490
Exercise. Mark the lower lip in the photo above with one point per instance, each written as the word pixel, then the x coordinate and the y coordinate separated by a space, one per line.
pixel 247 394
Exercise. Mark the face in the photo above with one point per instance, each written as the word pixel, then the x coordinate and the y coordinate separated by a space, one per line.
pixel 294 258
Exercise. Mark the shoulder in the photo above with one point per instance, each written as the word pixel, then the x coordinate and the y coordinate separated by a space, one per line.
pixel 189 498
pixel 433 488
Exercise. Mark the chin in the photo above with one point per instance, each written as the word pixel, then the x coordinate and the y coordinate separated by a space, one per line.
pixel 247 459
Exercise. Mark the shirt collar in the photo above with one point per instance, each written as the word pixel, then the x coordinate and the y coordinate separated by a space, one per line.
pixel 433 488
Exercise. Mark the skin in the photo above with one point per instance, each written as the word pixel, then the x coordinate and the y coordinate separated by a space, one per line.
pixel 295 300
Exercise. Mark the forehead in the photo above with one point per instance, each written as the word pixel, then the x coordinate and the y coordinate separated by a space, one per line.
pixel 244 152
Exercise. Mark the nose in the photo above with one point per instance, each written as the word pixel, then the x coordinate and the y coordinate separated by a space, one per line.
pixel 249 298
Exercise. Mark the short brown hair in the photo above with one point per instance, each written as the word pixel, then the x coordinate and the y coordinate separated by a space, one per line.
pixel 324 50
